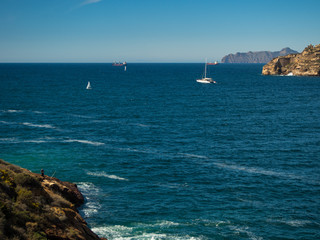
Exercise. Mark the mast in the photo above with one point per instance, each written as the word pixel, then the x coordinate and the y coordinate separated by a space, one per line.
pixel 205 70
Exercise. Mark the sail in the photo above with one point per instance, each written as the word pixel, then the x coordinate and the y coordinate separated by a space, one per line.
pixel 89 85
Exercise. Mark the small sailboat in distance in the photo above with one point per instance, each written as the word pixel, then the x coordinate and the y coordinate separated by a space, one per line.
pixel 88 86
pixel 205 79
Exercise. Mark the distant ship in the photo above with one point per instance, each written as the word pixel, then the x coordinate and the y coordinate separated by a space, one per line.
pixel 212 63
pixel 119 64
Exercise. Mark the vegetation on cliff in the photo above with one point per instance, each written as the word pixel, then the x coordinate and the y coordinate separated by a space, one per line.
pixel 306 63
pixel 36 207
pixel 256 57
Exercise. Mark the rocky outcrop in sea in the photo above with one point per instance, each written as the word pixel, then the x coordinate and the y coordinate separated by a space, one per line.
pixel 256 57
pixel 38 207
pixel 306 63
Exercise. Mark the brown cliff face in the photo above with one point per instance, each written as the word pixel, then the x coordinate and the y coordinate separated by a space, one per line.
pixel 35 207
pixel 306 63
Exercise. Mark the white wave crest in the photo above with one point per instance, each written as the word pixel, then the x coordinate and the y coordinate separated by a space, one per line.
pixel 245 230
pixel 17 140
pixel 148 151
pixel 8 140
pixel 292 223
pixel 35 141
pixel 5 122
pixel 141 125
pixel 193 155
pixel 31 124
pixel 103 174
pixel 38 125
pixel 151 232
pixel 297 223
pixel 91 192
pixel 85 142
pixel 261 171
pixel 12 111
pixel 38 112
pixel 80 116
pixel 88 187
pixel 248 169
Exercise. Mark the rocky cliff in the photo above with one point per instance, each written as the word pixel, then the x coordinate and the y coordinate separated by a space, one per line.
pixel 256 57
pixel 36 207
pixel 306 63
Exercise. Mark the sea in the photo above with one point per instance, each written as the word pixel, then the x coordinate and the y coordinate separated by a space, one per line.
pixel 159 156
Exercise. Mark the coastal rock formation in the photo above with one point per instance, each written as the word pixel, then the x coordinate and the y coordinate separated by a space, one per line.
pixel 36 207
pixel 306 63
pixel 256 57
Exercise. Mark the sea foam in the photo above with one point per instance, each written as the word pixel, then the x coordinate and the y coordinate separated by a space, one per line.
pixel 293 223
pixel 29 124
pixel 91 193
pixel 193 155
pixel 140 231
pixel 245 230
pixel 5 122
pixel 261 171
pixel 103 174
pixel 85 142
pixel 11 111
pixel 38 125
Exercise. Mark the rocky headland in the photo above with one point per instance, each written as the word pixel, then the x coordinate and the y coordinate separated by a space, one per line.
pixel 37 207
pixel 256 57
pixel 306 63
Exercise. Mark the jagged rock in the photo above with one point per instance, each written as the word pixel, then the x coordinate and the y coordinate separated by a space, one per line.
pixel 35 207
pixel 306 63
pixel 256 57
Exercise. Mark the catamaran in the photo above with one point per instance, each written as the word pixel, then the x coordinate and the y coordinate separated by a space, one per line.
pixel 205 79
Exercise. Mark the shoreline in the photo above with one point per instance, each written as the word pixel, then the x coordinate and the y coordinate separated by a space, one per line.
pixel 33 206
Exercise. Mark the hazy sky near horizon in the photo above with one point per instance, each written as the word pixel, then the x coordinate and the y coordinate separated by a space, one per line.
pixel 152 30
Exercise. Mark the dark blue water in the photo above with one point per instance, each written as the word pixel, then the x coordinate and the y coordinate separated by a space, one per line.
pixel 160 156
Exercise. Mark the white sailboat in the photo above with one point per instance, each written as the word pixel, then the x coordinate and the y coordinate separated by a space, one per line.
pixel 205 79
pixel 89 86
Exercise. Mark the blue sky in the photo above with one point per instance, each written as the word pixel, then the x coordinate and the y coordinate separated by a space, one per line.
pixel 152 30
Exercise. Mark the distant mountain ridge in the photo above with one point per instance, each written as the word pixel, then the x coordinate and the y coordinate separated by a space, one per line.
pixel 256 57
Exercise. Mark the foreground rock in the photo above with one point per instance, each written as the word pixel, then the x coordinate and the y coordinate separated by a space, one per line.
pixel 306 63
pixel 35 207
pixel 256 57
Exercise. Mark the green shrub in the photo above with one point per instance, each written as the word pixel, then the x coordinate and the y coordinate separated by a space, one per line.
pixel 38 236
pixel 5 178
pixel 309 48
pixel 59 201
pixel 2 224
pixel 19 232
pixel 24 196
pixel 26 180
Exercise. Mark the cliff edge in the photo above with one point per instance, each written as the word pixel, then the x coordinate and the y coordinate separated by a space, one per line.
pixel 256 57
pixel 39 207
pixel 306 63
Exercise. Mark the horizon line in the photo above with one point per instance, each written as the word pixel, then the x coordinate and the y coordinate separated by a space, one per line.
pixel 113 62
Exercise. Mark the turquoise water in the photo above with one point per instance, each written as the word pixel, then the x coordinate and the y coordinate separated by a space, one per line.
pixel 159 156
